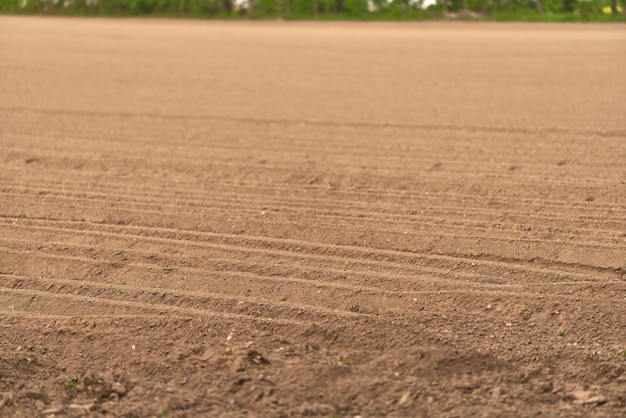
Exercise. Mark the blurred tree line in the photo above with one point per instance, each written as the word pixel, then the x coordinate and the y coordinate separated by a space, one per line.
pixel 322 9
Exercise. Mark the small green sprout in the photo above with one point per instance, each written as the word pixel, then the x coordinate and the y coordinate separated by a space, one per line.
pixel 69 385
pixel 153 302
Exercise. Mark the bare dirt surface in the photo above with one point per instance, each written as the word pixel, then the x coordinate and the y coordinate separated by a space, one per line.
pixel 298 219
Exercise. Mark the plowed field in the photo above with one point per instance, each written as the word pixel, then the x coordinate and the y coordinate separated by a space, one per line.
pixel 297 219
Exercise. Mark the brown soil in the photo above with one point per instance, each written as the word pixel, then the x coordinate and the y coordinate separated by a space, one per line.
pixel 297 219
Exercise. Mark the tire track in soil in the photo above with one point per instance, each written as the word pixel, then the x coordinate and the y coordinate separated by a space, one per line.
pixel 284 247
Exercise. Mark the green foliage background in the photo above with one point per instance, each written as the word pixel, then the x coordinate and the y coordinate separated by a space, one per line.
pixel 322 9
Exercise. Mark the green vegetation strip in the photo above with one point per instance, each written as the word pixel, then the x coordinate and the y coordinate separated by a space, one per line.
pixel 502 10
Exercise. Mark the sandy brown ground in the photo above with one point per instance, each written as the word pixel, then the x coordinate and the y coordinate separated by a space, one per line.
pixel 271 219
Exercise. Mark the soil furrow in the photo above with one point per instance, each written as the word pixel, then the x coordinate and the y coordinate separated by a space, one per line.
pixel 360 124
